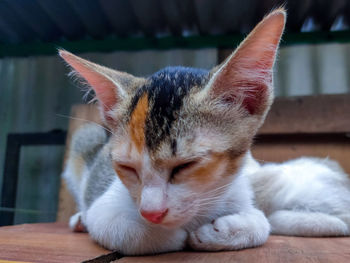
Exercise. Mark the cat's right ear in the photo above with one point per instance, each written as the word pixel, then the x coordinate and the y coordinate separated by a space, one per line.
pixel 245 78
pixel 110 86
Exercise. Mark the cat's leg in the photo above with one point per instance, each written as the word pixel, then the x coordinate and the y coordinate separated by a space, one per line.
pixel 301 223
pixel 114 222
pixel 76 223
pixel 232 232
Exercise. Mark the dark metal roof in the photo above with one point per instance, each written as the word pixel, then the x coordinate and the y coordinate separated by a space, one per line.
pixel 60 21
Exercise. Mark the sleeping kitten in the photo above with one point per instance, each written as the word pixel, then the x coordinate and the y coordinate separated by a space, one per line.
pixel 175 167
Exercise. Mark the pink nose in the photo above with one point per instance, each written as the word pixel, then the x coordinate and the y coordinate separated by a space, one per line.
pixel 154 216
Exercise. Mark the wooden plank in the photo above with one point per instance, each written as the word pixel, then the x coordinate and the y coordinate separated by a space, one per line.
pixel 309 114
pixel 81 114
pixel 277 249
pixel 7 261
pixel 283 151
pixel 52 242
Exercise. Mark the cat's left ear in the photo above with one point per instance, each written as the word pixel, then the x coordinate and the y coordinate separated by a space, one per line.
pixel 110 86
pixel 245 78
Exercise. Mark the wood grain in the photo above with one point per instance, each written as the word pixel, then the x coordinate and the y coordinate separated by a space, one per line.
pixel 278 249
pixel 279 152
pixel 315 115
pixel 52 242
pixel 308 114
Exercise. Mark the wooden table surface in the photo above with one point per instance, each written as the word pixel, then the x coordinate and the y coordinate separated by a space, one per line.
pixel 54 242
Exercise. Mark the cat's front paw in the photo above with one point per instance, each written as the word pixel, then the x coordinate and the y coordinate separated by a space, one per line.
pixel 231 232
pixel 76 223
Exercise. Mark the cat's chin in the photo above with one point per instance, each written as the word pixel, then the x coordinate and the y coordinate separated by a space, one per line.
pixel 171 224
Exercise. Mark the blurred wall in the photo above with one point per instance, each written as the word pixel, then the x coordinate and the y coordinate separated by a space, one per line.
pixel 313 69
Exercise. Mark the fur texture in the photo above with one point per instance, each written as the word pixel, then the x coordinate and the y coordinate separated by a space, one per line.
pixel 304 197
pixel 174 168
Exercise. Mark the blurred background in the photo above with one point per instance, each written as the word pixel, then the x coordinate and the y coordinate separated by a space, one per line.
pixel 140 37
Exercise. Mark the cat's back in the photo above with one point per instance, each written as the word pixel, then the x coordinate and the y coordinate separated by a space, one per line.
pixel 305 182
pixel 84 152
pixel 88 140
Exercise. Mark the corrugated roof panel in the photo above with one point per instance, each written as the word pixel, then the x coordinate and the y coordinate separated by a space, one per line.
pixel 13 25
pixel 149 16
pixel 7 35
pixel 121 16
pixel 92 17
pixel 64 17
pixel 24 21
pixel 178 15
pixel 204 14
pixel 225 17
pixel 232 16
pixel 299 11
pixel 35 17
pixel 326 12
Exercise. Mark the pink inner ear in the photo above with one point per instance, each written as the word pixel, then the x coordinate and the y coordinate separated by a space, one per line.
pixel 252 97
pixel 104 88
pixel 247 75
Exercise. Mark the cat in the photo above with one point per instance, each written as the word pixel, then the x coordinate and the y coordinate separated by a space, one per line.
pixel 174 167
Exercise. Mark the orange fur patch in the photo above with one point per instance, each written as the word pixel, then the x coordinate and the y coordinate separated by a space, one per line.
pixel 205 174
pixel 137 123
pixel 120 174
pixel 131 182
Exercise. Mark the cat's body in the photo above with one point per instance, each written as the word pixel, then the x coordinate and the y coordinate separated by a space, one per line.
pixel 113 212
pixel 176 169
pixel 304 197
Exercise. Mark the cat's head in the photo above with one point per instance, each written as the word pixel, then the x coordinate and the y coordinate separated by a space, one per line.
pixel 180 135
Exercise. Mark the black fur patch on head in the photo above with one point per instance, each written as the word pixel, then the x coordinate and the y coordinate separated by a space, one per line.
pixel 166 90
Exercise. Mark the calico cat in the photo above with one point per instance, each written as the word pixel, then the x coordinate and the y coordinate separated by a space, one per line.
pixel 175 169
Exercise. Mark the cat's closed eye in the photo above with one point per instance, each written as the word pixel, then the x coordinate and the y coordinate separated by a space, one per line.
pixel 126 169
pixel 177 169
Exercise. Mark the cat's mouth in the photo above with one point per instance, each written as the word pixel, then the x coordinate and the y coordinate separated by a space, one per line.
pixel 170 219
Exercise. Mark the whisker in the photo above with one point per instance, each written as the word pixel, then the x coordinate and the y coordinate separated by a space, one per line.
pixel 201 205
pixel 219 190
pixel 85 120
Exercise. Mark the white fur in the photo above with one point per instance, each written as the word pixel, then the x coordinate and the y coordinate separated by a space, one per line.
pixel 304 197
pixel 248 228
pixel 114 222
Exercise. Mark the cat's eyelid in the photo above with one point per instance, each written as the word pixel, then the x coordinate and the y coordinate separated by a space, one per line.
pixel 126 164
pixel 123 161
pixel 126 167
pixel 189 160
pixel 187 165
pixel 198 159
